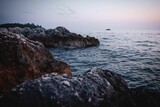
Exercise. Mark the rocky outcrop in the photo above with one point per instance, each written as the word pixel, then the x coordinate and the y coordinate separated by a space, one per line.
pixel 28 64
pixel 94 88
pixel 23 59
pixel 61 37
pixel 58 37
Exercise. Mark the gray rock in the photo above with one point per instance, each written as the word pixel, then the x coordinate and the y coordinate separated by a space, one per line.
pixel 28 32
pixel 62 29
pixel 94 88
pixel 58 37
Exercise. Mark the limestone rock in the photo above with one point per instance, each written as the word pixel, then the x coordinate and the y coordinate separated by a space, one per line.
pixel 61 37
pixel 58 37
pixel 23 59
pixel 94 88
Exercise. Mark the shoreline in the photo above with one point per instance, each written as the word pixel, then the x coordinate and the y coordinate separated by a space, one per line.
pixel 37 79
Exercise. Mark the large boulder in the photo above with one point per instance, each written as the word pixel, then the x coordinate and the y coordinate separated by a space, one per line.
pixel 94 88
pixel 58 37
pixel 23 59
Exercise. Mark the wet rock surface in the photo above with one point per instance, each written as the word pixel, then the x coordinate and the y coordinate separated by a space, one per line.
pixel 94 88
pixel 58 37
pixel 23 59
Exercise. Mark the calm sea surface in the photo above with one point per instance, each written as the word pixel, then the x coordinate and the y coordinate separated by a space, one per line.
pixel 134 54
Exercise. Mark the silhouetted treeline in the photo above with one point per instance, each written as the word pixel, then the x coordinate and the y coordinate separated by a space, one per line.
pixel 11 25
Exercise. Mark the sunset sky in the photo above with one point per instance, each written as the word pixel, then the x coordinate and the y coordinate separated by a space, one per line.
pixel 83 15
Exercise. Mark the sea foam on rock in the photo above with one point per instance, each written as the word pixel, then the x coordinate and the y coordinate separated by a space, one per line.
pixel 23 59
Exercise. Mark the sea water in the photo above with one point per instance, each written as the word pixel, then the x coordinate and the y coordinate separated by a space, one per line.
pixel 135 54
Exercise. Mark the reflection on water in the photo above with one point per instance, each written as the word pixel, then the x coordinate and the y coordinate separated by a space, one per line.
pixel 133 54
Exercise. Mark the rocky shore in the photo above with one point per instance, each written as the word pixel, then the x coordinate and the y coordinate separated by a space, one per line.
pixel 23 59
pixel 31 77
pixel 59 37
pixel 95 88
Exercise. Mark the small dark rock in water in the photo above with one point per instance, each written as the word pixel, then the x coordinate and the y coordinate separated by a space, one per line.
pixel 23 59
pixel 58 37
pixel 108 29
pixel 94 88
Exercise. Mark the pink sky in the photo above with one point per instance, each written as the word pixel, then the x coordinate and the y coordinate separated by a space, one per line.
pixel 83 14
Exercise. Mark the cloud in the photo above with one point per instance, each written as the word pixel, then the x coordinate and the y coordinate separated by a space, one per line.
pixel 65 10
pixel 27 12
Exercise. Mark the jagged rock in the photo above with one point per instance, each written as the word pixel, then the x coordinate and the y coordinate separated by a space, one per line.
pixel 28 32
pixel 61 37
pixel 58 37
pixel 23 59
pixel 62 30
pixel 94 88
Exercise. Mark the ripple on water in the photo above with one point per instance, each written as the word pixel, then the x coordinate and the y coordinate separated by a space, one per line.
pixel 134 55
